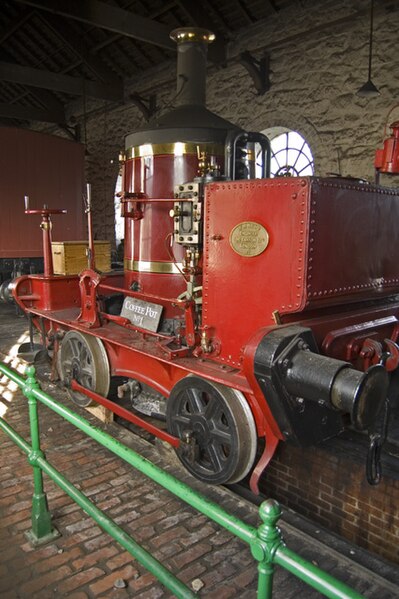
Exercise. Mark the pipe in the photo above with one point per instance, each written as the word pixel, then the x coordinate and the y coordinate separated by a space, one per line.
pixel 234 138
pixel 90 253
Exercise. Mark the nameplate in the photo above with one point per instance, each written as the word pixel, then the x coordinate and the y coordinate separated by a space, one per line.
pixel 142 314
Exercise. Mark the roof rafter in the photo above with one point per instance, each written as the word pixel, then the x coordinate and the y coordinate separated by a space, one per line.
pixel 15 24
pixel 62 29
pixel 48 100
pixel 108 17
pixel 58 82
pixel 29 113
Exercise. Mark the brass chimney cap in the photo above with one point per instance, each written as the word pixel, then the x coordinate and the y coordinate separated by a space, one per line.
pixel 192 34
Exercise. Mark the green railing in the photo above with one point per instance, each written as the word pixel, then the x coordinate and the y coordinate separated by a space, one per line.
pixel 265 542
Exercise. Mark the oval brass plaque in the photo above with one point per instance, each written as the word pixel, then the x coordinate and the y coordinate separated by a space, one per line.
pixel 249 239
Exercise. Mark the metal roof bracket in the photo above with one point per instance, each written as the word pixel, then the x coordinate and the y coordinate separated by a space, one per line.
pixel 259 70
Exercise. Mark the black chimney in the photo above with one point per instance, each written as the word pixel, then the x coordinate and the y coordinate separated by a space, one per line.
pixel 192 47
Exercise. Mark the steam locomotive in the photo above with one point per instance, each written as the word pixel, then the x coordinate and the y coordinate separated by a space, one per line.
pixel 249 311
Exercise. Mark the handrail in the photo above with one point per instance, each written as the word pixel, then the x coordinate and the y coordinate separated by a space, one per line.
pixel 145 558
pixel 266 543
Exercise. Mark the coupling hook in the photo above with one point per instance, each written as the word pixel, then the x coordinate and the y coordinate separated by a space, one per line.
pixel 376 441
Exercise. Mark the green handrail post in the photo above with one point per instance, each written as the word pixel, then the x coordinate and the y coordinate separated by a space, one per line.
pixel 42 531
pixel 264 547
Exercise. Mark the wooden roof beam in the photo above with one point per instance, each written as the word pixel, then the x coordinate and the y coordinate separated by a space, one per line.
pixel 58 82
pixel 63 30
pixel 111 18
pixel 30 113
pixel 48 100
pixel 15 24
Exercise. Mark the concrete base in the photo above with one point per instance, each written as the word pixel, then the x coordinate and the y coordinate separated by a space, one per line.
pixel 35 541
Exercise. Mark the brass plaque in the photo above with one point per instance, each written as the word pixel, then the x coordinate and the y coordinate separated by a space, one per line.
pixel 249 239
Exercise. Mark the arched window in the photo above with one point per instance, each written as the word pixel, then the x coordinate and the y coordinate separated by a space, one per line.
pixel 291 154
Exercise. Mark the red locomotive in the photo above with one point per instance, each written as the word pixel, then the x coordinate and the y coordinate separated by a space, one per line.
pixel 250 311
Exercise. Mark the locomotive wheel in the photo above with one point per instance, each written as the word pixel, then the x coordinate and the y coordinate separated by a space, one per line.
pixel 83 358
pixel 218 421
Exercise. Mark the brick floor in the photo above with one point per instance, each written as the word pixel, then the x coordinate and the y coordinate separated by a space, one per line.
pixel 85 562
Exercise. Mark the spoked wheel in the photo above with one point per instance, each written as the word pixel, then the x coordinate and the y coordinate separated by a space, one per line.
pixel 83 358
pixel 218 424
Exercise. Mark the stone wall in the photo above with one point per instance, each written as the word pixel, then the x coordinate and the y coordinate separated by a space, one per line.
pixel 318 58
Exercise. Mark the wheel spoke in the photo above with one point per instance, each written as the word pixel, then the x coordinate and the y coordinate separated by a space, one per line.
pixel 84 358
pixel 86 372
pixel 212 408
pixel 222 437
pixel 184 421
pixel 214 411
pixel 195 400
pixel 87 381
pixel 74 346
pixel 216 459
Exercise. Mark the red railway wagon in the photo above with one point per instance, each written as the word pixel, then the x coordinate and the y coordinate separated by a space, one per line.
pixel 48 169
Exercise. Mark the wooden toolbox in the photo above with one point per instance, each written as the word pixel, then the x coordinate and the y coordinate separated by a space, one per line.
pixel 70 257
